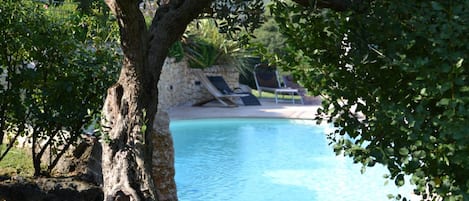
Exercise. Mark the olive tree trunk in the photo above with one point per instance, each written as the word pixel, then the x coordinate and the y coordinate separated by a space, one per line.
pixel 138 156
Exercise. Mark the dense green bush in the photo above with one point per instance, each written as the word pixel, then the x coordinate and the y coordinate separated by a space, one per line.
pixel 269 36
pixel 394 78
pixel 55 72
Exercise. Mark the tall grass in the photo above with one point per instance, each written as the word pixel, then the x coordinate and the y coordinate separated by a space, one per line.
pixel 17 162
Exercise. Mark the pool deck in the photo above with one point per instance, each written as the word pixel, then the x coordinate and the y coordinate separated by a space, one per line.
pixel 267 109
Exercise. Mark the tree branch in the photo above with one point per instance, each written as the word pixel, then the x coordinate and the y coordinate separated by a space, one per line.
pixel 337 5
pixel 132 27
pixel 174 16
pixel 168 25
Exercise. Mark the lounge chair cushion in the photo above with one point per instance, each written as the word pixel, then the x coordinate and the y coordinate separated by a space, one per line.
pixel 223 87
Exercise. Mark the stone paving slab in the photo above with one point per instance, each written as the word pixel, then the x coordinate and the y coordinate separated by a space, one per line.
pixel 268 109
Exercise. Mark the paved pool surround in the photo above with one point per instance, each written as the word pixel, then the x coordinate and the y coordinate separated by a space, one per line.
pixel 268 109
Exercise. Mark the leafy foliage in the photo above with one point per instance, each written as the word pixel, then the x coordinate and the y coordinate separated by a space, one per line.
pixel 236 15
pixel 218 35
pixel 394 78
pixel 60 69
pixel 176 51
pixel 201 54
pixel 205 46
pixel 269 37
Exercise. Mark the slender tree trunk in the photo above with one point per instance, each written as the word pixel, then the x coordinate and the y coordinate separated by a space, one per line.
pixel 138 151
pixel 2 121
pixel 21 127
pixel 36 160
pixel 36 146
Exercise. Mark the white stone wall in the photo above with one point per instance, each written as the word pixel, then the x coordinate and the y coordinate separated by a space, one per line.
pixel 179 86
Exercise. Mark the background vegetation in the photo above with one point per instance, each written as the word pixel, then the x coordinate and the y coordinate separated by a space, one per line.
pixel 56 67
pixel 204 46
pixel 16 162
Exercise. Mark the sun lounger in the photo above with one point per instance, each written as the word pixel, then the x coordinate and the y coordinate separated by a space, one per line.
pixel 223 87
pixel 289 82
pixel 222 97
pixel 267 80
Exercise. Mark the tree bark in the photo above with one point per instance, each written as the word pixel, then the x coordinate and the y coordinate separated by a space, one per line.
pixel 138 156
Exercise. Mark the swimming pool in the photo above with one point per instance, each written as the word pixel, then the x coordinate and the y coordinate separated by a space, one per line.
pixel 265 160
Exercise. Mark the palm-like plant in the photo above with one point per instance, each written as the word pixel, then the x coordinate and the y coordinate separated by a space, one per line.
pixel 201 54
pixel 204 46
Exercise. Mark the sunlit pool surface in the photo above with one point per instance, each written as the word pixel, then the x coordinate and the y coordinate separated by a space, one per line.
pixel 266 160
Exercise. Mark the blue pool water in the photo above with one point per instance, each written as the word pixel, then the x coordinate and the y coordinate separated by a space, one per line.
pixel 265 160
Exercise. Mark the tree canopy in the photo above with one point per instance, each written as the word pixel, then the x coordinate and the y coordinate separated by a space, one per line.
pixel 394 78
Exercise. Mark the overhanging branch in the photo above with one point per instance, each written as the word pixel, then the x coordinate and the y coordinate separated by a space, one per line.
pixel 173 16
pixel 337 5
pixel 131 23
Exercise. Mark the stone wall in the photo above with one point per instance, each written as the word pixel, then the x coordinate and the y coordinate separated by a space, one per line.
pixel 180 86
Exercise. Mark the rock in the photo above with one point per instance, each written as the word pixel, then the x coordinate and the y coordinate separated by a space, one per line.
pixel 83 160
pixel 79 176
pixel 49 189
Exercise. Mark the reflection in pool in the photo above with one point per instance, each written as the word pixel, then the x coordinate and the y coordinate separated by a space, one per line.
pixel 265 160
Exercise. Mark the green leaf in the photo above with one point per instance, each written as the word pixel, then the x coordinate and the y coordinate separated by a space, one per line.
pixel 444 102
pixel 423 92
pixel 296 18
pixel 459 63
pixel 403 151
pixel 436 5
pixel 399 180
pixel 144 129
